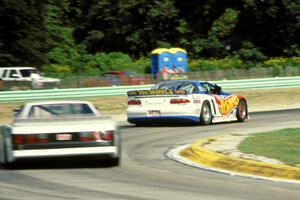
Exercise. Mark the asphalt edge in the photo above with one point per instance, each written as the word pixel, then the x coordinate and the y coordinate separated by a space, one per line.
pixel 197 156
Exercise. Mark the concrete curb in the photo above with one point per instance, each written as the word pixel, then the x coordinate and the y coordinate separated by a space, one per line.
pixel 197 156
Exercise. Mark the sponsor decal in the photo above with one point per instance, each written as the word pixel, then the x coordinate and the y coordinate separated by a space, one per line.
pixel 197 101
pixel 154 113
pixel 226 105
pixel 154 92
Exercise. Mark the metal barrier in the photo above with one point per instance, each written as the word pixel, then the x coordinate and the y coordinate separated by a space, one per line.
pixel 229 85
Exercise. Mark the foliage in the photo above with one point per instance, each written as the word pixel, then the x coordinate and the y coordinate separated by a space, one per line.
pixel 89 37
pixel 249 55
pixel 141 65
pixel 22 33
pixel 280 65
pixel 126 26
pixel 217 42
pixel 213 64
pixel 54 70
pixel 292 62
pixel 64 50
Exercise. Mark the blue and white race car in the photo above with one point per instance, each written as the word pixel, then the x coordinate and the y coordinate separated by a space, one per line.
pixel 185 101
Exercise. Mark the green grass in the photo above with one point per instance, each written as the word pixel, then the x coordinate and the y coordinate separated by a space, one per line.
pixel 283 145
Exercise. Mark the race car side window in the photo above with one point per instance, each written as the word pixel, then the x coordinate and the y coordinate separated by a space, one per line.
pixel 188 87
pixel 211 89
pixel 40 111
pixel 86 109
pixel 205 87
pixel 17 111
pixel 202 89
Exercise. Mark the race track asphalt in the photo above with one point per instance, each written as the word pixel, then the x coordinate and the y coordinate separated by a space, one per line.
pixel 147 173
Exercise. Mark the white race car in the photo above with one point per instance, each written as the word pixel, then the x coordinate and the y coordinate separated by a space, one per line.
pixel 53 129
pixel 185 101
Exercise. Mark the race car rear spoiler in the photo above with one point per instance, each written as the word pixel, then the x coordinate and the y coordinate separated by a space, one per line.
pixel 155 92
pixel 62 118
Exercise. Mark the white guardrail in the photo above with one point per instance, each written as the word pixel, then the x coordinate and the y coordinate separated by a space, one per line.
pixel 227 85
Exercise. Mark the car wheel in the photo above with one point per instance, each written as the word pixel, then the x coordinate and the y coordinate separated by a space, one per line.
pixel 205 116
pixel 115 162
pixel 242 110
pixel 6 164
pixel 139 124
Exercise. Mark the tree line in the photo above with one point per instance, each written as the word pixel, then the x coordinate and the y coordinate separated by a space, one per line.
pixel 90 36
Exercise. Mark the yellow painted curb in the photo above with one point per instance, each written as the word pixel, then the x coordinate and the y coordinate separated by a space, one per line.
pixel 199 155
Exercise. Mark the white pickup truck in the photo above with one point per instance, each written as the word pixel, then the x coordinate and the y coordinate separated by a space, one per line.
pixel 57 129
pixel 16 76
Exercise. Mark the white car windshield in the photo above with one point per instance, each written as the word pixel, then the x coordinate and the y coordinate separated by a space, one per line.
pixel 50 110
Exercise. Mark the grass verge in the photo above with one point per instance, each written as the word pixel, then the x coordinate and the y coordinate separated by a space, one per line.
pixel 282 145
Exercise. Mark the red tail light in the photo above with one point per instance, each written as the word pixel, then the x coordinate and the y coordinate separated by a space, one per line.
pixel 95 136
pixel 18 139
pixel 179 101
pixel 134 102
pixel 30 139
pixel 42 138
pixel 85 137
pixel 107 135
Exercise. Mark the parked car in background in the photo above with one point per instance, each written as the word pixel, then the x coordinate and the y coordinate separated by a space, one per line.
pixel 26 77
pixel 125 78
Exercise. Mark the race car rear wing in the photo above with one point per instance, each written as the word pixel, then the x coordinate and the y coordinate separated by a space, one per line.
pixel 61 118
pixel 155 92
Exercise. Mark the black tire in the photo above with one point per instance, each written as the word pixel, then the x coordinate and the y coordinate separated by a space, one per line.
pixel 139 124
pixel 6 164
pixel 242 111
pixel 115 162
pixel 205 116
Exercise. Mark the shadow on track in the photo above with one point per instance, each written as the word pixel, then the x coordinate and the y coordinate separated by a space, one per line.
pixel 58 163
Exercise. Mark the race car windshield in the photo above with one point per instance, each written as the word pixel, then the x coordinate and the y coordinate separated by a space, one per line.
pixel 50 110
pixel 186 86
pixel 167 85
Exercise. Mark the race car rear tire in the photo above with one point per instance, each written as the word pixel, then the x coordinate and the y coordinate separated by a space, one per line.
pixel 115 162
pixel 139 124
pixel 205 116
pixel 241 111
